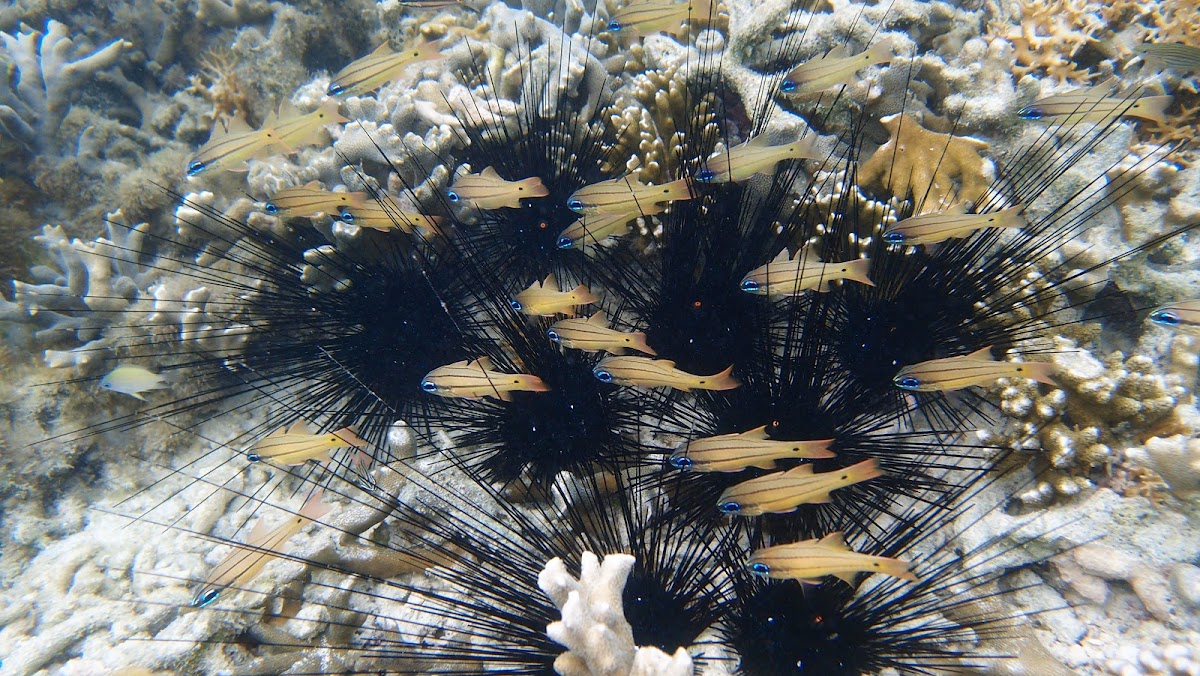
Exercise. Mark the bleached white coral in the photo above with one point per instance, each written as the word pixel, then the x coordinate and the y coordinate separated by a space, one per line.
pixel 33 103
pixel 599 640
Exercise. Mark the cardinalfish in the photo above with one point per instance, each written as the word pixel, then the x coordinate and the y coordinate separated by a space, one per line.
pixel 1173 55
pixel 593 335
pixel 978 368
pixel 475 379
pixel 811 560
pixel 1184 316
pixel 296 445
pixel 647 17
pixel 940 226
pixel 133 380
pixel 486 190
pixel 545 299
pixel 385 214
pixel 835 69
pixel 783 492
pixel 647 372
pixel 245 561
pixel 753 448
pixel 756 156
pixel 1093 104
pixel 595 228
pixel 283 132
pixel 622 194
pixel 380 67
pixel 310 200
pixel 786 276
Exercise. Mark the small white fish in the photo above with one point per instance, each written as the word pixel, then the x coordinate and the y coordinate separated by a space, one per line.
pixel 545 299
pixel 940 226
pixel 753 448
pixel 834 69
pixel 625 193
pixel 811 560
pixel 647 372
pixel 786 276
pixel 133 380
pixel 756 156
pixel 475 379
pixel 1093 104
pixel 593 335
pixel 486 190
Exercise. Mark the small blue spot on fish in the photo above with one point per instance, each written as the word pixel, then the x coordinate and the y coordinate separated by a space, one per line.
pixel 575 205
pixel 749 286
pixel 1164 318
pixel 907 383
pixel 603 376
pixel 730 507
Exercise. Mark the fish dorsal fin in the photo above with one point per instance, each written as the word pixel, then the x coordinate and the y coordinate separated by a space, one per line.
pixel 759 141
pixel 382 49
pixel 298 427
pixel 802 470
pixel 834 541
pixel 287 110
pixel 756 433
pixel 313 185
pixel 782 256
pixel 839 52
pixel 667 363
pixel 982 353
pixel 279 432
pixel 490 172
pixel 482 363
pixel 550 282
pixel 237 125
pixel 848 578
pixel 258 533
pixel 598 319
pixel 1101 89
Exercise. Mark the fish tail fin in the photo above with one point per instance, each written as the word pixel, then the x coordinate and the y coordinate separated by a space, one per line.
pixel 881 52
pixel 348 435
pixel 897 568
pixel 725 380
pixel 137 396
pixel 679 189
pixel 857 270
pixel 805 148
pixel 1013 217
pixel 1152 108
pixel 430 224
pixel 1042 372
pixel 863 471
pixel 817 449
pixel 534 187
pixel 583 295
pixel 532 383
pixel 313 508
pixel 431 50
pixel 639 343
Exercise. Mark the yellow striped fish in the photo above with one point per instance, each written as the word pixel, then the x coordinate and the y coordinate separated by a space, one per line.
pixel 647 372
pixel 486 190
pixel 646 17
pixel 753 448
pixel 783 492
pixel 292 129
pixel 380 67
pixel 1093 104
pixel 475 379
pixel 245 561
pixel 593 335
pixel 545 299
pixel 310 200
pixel 940 226
pixel 832 70
pixel 811 560
pixel 1173 55
pixel 595 228
pixel 1183 316
pixel 978 368
pixel 756 156
pixel 296 445
pixel 385 214
pixel 229 147
pixel 625 193
pixel 786 276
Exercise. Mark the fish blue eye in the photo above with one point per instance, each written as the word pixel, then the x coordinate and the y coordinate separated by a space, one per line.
pixel 515 305
pixel 429 386
pixel 894 237
pixel 1030 113
pixel 705 175
pixel 347 217
pixel 271 208
pixel 1164 318
pixel 553 335
pixel 195 167
pixel 603 376
pixel 730 507
pixel 907 383
pixel 453 196
pixel 565 242
pixel 787 86
pixel 253 457
pixel 575 205
pixel 760 569
pixel 749 285
pixel 614 25
pixel 334 89
pixel 205 598
pixel 681 462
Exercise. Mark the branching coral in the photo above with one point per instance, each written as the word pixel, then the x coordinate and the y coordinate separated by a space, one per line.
pixel 43 79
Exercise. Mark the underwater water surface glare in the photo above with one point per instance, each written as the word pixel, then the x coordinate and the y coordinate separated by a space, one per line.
pixel 629 337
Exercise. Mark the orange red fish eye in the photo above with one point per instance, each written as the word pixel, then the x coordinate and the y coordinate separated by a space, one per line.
pixel 697 304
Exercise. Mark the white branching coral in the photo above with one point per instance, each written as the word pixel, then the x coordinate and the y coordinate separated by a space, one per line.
pixel 598 639
pixel 44 78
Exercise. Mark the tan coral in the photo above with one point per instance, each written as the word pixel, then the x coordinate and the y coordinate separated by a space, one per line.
pixel 934 169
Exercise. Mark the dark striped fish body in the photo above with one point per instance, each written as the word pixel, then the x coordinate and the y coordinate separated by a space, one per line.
pixel 832 70
pixel 786 276
pixel 595 228
pixel 593 335
pixel 755 156
pixel 311 200
pixel 738 451
pixel 647 372
pixel 385 214
pixel 626 193
pixel 646 17
pixel 940 226
pixel 1093 104
pixel 486 190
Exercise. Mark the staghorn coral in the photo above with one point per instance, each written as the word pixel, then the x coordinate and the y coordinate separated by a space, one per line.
pixel 933 169
pixel 594 629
